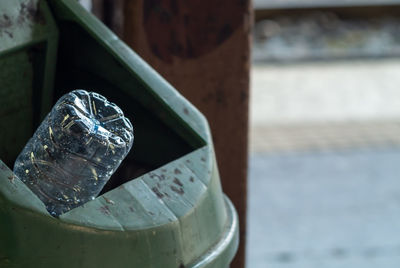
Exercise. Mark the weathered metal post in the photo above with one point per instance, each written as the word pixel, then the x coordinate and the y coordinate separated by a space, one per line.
pixel 203 49
pixel 111 12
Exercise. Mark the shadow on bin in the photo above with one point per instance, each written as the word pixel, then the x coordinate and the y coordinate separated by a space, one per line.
pixel 163 208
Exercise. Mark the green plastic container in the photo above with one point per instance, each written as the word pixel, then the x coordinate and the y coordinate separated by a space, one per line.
pixel 163 208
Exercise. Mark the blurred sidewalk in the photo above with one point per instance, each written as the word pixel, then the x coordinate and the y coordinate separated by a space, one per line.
pixel 339 104
pixel 324 166
pixel 337 209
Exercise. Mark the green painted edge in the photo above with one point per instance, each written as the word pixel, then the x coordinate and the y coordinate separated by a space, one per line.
pixel 221 254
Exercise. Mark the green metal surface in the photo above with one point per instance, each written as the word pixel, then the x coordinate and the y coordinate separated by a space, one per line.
pixel 170 213
pixel 28 46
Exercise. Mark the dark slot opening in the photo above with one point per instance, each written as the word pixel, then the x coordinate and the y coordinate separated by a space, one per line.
pixel 84 63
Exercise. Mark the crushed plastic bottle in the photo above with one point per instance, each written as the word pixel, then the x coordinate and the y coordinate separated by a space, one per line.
pixel 75 150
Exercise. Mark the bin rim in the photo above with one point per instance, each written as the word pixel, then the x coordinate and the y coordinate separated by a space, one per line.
pixel 225 249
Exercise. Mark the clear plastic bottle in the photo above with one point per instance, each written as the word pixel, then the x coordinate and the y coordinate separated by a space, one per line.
pixel 75 150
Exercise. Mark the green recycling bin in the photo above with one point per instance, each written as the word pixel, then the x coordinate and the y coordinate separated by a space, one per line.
pixel 164 207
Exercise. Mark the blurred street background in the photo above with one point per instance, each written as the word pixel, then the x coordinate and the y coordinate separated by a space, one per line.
pixel 324 188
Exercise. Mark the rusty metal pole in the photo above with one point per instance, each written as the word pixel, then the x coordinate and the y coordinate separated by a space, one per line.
pixel 97 8
pixel 203 49
pixel 111 12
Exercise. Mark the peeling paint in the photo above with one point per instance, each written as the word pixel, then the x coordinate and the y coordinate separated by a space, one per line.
pixel 157 192
pixel 178 182
pixel 176 190
pixel 109 201
pixel 11 178
pixel 105 210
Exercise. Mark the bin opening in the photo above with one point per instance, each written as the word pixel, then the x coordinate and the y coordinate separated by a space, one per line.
pixel 84 60
pixel 161 136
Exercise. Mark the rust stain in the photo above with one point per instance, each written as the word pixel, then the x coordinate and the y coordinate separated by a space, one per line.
pixel 176 190
pixel 157 192
pixel 160 177
pixel 178 182
pixel 5 22
pixel 11 178
pixel 109 201
pixel 177 171
pixel 3 167
pixel 28 12
pixel 105 210
pixel 189 29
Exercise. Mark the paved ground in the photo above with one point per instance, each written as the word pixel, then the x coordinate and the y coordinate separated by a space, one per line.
pixel 324 188
pixel 325 209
